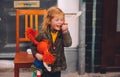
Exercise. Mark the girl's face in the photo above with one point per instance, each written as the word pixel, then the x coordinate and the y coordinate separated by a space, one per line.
pixel 57 22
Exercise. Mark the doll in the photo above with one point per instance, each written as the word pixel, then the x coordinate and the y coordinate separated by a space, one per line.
pixel 42 48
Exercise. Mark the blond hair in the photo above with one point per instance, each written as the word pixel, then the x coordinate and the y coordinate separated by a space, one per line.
pixel 51 13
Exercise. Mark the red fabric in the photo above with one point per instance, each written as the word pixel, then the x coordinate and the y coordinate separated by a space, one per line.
pixel 31 34
pixel 42 47
pixel 48 57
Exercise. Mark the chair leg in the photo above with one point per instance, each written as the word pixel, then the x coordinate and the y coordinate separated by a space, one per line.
pixel 16 71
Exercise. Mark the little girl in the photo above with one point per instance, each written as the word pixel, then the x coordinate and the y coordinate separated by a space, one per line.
pixel 55 30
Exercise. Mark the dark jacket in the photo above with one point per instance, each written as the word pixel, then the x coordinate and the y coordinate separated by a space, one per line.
pixel 57 49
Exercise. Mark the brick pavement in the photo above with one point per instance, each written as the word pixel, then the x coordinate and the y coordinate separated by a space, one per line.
pixel 6 70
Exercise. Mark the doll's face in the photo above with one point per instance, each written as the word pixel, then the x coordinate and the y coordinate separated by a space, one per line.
pixel 57 22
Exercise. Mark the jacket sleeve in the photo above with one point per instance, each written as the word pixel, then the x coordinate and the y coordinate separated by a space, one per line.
pixel 67 39
pixel 34 49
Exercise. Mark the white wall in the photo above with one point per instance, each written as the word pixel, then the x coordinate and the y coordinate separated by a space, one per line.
pixel 71 7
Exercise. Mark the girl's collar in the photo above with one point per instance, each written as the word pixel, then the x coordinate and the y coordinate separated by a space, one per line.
pixel 53 31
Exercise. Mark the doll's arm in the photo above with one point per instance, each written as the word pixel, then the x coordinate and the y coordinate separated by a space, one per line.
pixel 39 56
pixel 46 66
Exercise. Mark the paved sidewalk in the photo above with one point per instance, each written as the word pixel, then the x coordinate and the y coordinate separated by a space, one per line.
pixel 6 70
pixel 29 74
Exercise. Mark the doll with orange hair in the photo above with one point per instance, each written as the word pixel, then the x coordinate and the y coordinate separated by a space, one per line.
pixel 42 48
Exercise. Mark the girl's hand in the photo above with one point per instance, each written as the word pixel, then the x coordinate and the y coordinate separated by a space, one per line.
pixel 64 27
pixel 39 56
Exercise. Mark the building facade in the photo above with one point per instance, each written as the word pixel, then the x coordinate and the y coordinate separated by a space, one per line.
pixel 94 27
